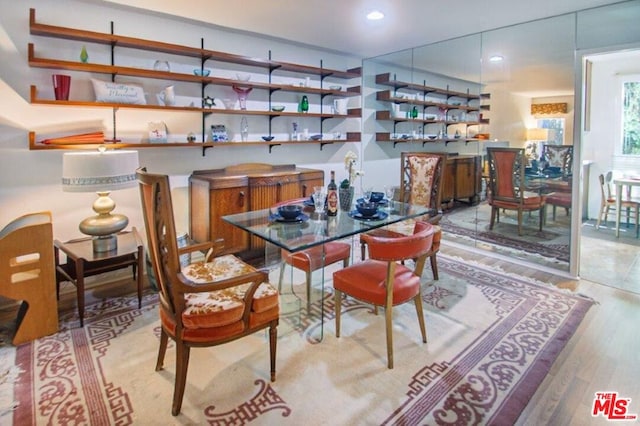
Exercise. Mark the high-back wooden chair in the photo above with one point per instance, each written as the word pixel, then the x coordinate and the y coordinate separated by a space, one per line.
pixel 382 281
pixel 205 303
pixel 422 178
pixel 27 273
pixel 507 186
pixel 559 157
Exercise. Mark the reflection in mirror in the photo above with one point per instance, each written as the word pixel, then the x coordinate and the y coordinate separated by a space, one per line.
pixel 453 97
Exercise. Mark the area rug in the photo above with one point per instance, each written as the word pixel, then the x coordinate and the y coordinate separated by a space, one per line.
pixel 492 339
pixel 471 224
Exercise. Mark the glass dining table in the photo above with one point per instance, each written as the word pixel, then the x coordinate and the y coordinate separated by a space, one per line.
pixel 313 229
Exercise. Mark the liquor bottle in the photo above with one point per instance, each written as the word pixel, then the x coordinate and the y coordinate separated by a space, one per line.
pixel 304 104
pixel 332 196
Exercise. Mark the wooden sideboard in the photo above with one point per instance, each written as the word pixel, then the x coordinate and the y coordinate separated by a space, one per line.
pixel 241 188
pixel 462 180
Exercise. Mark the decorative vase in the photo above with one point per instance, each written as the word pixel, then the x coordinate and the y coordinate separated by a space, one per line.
pixel 84 56
pixel 304 104
pixel 346 197
pixel 242 95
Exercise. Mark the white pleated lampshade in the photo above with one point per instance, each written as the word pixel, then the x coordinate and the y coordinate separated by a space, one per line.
pixel 99 171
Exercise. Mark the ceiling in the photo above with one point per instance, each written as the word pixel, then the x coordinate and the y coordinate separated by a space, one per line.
pixel 340 25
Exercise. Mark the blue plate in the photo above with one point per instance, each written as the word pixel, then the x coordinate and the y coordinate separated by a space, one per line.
pixel 275 217
pixel 380 215
pixel 382 202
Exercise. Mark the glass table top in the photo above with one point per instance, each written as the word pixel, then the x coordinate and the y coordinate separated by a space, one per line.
pixel 311 229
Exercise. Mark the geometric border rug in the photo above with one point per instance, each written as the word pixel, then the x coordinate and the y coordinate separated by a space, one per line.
pixel 492 338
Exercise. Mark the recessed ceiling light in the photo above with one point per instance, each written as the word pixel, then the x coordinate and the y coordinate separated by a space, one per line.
pixel 375 15
pixel 496 58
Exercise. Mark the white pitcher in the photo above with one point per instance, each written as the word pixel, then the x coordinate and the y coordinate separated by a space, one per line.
pixel 167 96
pixel 340 106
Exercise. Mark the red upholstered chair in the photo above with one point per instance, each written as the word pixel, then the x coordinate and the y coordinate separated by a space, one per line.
pixel 205 303
pixel 559 199
pixel 311 259
pixel 422 177
pixel 382 281
pixel 507 186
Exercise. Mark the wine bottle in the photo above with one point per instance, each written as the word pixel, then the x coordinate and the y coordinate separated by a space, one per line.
pixel 332 196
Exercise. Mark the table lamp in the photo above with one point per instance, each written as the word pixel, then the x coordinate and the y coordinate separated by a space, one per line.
pixel 100 171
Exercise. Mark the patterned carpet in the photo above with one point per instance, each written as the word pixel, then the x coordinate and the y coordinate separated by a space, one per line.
pixel 492 339
pixel 549 247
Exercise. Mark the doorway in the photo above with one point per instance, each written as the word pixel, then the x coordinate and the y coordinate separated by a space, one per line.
pixel 603 257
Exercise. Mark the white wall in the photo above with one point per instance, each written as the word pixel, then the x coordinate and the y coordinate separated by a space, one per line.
pixel 31 179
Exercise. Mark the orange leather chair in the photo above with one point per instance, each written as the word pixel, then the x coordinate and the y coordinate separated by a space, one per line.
pixel 311 259
pixel 205 303
pixel 382 281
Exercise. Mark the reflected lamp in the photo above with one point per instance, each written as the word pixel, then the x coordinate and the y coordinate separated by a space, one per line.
pixel 100 171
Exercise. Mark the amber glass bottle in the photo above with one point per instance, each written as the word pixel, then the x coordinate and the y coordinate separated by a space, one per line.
pixel 332 196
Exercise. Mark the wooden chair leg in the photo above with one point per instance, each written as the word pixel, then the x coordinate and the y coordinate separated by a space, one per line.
pixel 519 222
pixel 182 364
pixel 434 266
pixel 164 339
pixel 273 340
pixel 423 329
pixel 337 298
pixel 493 217
pixel 388 319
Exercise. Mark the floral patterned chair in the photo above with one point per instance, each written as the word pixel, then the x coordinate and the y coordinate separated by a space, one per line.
pixel 205 303
pixel 559 157
pixel 422 177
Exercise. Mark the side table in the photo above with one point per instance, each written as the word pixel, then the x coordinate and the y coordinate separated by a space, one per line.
pixel 82 262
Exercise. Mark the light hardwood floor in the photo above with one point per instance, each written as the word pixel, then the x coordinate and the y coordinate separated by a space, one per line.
pixel 603 354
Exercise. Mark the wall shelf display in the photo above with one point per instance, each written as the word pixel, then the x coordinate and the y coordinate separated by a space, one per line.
pixel 439 115
pixel 321 111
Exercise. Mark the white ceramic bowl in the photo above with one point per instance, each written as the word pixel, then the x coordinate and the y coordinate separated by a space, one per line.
pixel 243 76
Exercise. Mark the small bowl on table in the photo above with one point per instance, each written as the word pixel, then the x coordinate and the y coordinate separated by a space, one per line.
pixel 376 197
pixel 290 211
pixel 367 209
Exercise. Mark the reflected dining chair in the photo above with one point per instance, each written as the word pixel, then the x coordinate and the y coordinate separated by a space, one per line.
pixel 608 202
pixel 559 157
pixel 507 186
pixel 208 303
pixel 314 258
pixel 422 179
pixel 382 281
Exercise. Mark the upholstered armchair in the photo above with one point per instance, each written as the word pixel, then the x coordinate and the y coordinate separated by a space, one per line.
pixel 559 157
pixel 205 303
pixel 382 281
pixel 507 186
pixel 422 177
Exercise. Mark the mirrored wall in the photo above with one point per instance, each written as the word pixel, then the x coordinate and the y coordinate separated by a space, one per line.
pixel 468 94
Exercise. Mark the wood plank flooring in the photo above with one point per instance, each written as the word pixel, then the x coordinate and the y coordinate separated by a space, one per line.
pixel 603 354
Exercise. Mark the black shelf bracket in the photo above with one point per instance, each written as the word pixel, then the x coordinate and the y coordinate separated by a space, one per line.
pixel 271 145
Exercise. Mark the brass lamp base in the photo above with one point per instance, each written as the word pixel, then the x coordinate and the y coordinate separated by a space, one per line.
pixel 105 243
pixel 104 226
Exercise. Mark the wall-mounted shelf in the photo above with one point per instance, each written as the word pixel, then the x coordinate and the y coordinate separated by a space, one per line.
pixel 439 109
pixel 116 41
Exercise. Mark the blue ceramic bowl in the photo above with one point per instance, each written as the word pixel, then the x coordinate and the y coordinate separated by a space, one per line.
pixel 367 209
pixel 290 211
pixel 201 73
pixel 376 197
